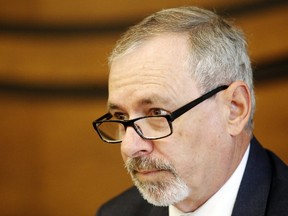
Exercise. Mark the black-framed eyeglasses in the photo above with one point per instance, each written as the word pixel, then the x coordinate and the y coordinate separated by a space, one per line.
pixel 147 127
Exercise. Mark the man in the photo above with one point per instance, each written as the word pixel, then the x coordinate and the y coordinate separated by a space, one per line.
pixel 181 104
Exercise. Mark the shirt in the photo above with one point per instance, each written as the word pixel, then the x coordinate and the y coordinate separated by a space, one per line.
pixel 222 202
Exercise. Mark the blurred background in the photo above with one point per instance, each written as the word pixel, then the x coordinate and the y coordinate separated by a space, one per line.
pixel 53 75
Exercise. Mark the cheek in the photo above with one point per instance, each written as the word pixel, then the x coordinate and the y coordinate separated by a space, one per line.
pixel 198 144
pixel 182 152
pixel 124 157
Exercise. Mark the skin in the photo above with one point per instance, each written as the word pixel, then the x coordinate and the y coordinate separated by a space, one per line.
pixel 208 141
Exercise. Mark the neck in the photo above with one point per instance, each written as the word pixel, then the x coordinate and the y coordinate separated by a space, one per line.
pixel 192 203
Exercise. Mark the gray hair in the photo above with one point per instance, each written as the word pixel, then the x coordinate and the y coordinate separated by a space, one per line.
pixel 218 49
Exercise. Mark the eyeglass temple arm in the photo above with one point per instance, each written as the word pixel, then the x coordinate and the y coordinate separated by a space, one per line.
pixel 197 101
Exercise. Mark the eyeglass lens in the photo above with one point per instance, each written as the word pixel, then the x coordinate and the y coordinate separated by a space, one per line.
pixel 151 127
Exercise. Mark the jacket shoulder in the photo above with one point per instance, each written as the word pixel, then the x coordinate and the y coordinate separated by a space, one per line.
pixel 127 203
pixel 264 186
pixel 278 198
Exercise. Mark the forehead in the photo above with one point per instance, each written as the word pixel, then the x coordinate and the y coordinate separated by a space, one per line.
pixel 162 46
pixel 142 102
pixel 158 70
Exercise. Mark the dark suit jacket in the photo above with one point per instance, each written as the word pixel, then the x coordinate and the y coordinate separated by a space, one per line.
pixel 263 191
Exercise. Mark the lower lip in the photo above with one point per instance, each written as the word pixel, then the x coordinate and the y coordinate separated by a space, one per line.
pixel 150 173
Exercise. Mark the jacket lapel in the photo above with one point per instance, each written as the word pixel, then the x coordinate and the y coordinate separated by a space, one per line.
pixel 254 189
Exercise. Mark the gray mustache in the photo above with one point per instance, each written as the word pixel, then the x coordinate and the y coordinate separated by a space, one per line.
pixel 146 163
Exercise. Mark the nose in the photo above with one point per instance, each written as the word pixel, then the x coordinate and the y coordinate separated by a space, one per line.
pixel 134 146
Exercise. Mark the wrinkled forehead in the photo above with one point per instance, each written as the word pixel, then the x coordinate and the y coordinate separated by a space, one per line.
pixel 160 38
pixel 164 55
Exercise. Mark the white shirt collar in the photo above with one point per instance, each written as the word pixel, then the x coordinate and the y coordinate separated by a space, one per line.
pixel 222 202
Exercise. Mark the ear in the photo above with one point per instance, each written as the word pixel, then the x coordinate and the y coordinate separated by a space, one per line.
pixel 238 100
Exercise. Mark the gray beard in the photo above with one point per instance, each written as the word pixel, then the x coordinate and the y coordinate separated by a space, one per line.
pixel 164 191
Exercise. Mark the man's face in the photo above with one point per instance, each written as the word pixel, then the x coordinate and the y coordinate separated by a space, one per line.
pixel 192 163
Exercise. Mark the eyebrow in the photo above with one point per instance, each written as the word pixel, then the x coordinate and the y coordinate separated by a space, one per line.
pixel 154 99
pixel 112 106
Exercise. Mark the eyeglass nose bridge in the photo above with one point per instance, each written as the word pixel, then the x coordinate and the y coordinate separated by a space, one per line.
pixel 131 123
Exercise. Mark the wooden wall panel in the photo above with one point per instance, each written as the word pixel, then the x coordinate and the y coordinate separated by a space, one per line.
pixel 63 60
pixel 91 11
pixel 267 33
pixel 52 162
pixel 271 117
pixel 73 59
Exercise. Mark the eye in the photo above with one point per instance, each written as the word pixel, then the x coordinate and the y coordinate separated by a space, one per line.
pixel 157 112
pixel 120 116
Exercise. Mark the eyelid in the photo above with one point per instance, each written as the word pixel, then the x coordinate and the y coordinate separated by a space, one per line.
pixel 163 111
pixel 119 116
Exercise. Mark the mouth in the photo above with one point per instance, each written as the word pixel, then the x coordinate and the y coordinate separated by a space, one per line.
pixel 147 169
pixel 149 174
